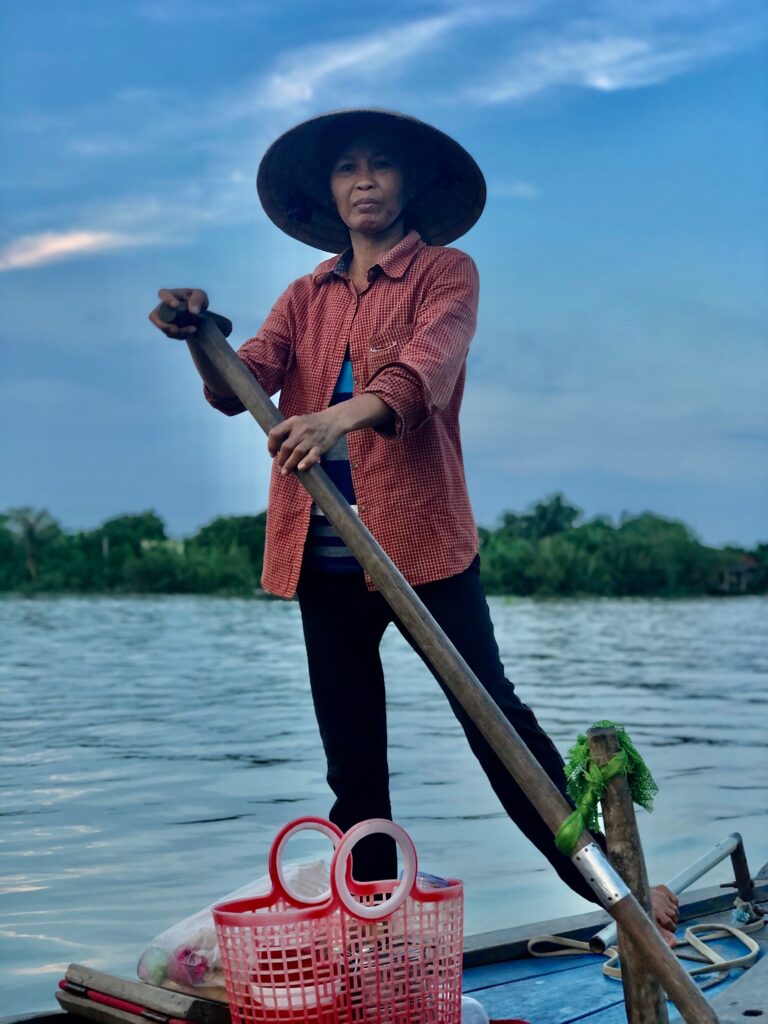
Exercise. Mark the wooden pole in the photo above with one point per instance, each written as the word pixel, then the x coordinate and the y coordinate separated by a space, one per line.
pixel 550 804
pixel 643 997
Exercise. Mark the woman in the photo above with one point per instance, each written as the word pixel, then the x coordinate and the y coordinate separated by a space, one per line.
pixel 369 354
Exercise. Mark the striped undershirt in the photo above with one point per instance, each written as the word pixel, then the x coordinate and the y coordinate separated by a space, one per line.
pixel 325 550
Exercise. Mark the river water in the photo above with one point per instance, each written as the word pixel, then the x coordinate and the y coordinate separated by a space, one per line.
pixel 153 746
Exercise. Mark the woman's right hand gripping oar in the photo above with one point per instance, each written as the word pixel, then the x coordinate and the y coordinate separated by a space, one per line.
pixel 196 300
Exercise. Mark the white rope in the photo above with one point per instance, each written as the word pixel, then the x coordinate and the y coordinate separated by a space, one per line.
pixel 696 936
pixel 571 947
pixel 715 964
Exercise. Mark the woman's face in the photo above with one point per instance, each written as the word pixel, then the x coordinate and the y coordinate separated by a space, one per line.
pixel 368 187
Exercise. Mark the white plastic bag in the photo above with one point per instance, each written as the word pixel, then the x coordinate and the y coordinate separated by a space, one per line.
pixel 185 957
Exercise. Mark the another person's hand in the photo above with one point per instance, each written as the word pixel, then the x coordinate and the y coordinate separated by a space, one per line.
pixel 196 300
pixel 299 441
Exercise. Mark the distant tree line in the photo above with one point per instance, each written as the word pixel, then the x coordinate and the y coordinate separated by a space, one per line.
pixel 129 554
pixel 548 551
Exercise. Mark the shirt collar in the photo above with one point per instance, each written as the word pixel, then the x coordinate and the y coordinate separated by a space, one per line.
pixel 393 263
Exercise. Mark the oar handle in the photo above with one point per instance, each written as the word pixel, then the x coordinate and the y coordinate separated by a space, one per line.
pixel 181 317
pixel 458 677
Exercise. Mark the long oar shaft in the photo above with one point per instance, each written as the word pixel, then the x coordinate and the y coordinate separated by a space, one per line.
pixel 461 680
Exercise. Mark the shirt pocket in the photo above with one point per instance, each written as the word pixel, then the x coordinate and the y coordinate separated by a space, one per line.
pixel 387 347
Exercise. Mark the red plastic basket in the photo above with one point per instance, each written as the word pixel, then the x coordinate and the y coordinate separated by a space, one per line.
pixel 388 952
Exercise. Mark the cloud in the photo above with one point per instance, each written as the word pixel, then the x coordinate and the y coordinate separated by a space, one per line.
pixel 300 75
pixel 171 213
pixel 51 246
pixel 514 190
pixel 609 47
pixel 605 47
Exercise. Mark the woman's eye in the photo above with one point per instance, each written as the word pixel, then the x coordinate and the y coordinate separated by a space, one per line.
pixel 344 168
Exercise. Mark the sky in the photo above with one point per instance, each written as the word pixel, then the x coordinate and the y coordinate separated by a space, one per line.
pixel 620 356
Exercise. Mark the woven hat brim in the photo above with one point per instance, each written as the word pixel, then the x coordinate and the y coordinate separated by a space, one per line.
pixel 295 192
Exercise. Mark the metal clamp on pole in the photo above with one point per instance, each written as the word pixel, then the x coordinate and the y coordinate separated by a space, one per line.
pixel 605 881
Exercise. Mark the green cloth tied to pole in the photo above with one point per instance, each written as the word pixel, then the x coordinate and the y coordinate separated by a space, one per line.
pixel 587 782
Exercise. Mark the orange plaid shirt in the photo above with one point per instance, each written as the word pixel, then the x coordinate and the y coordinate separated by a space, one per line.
pixel 408 334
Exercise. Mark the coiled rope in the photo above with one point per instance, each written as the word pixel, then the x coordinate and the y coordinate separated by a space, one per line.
pixel 696 936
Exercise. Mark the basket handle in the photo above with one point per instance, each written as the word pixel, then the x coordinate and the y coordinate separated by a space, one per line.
pixel 341 875
pixel 279 884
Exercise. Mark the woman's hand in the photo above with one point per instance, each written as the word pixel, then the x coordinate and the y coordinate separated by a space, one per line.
pixel 196 300
pixel 299 441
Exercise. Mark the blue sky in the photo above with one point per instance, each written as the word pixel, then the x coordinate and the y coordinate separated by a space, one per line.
pixel 621 349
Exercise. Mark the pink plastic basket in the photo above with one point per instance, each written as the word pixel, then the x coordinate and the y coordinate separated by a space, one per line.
pixel 388 952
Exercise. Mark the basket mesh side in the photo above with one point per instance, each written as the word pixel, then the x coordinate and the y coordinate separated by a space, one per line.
pixel 404 969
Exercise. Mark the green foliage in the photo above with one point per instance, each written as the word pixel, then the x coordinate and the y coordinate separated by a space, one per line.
pixel 36 532
pixel 13 571
pixel 130 531
pixel 547 551
pixel 544 519
pixel 122 540
pixel 241 535
pixel 507 564
pixel 224 572
pixel 165 570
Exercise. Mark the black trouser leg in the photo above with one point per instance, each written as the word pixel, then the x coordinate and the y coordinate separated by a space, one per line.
pixel 460 608
pixel 343 625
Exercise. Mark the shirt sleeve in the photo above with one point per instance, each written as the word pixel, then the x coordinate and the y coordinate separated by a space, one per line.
pixel 267 355
pixel 422 378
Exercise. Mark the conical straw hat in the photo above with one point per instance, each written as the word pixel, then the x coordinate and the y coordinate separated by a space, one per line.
pixel 294 177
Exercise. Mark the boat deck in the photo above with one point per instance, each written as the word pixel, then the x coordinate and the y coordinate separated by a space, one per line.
pixel 564 989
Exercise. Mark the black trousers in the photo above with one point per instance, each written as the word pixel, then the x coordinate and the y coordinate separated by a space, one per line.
pixel 343 625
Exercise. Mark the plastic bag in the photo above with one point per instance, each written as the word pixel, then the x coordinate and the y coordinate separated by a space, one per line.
pixel 185 957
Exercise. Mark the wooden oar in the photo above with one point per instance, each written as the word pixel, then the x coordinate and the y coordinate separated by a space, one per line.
pixel 458 676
